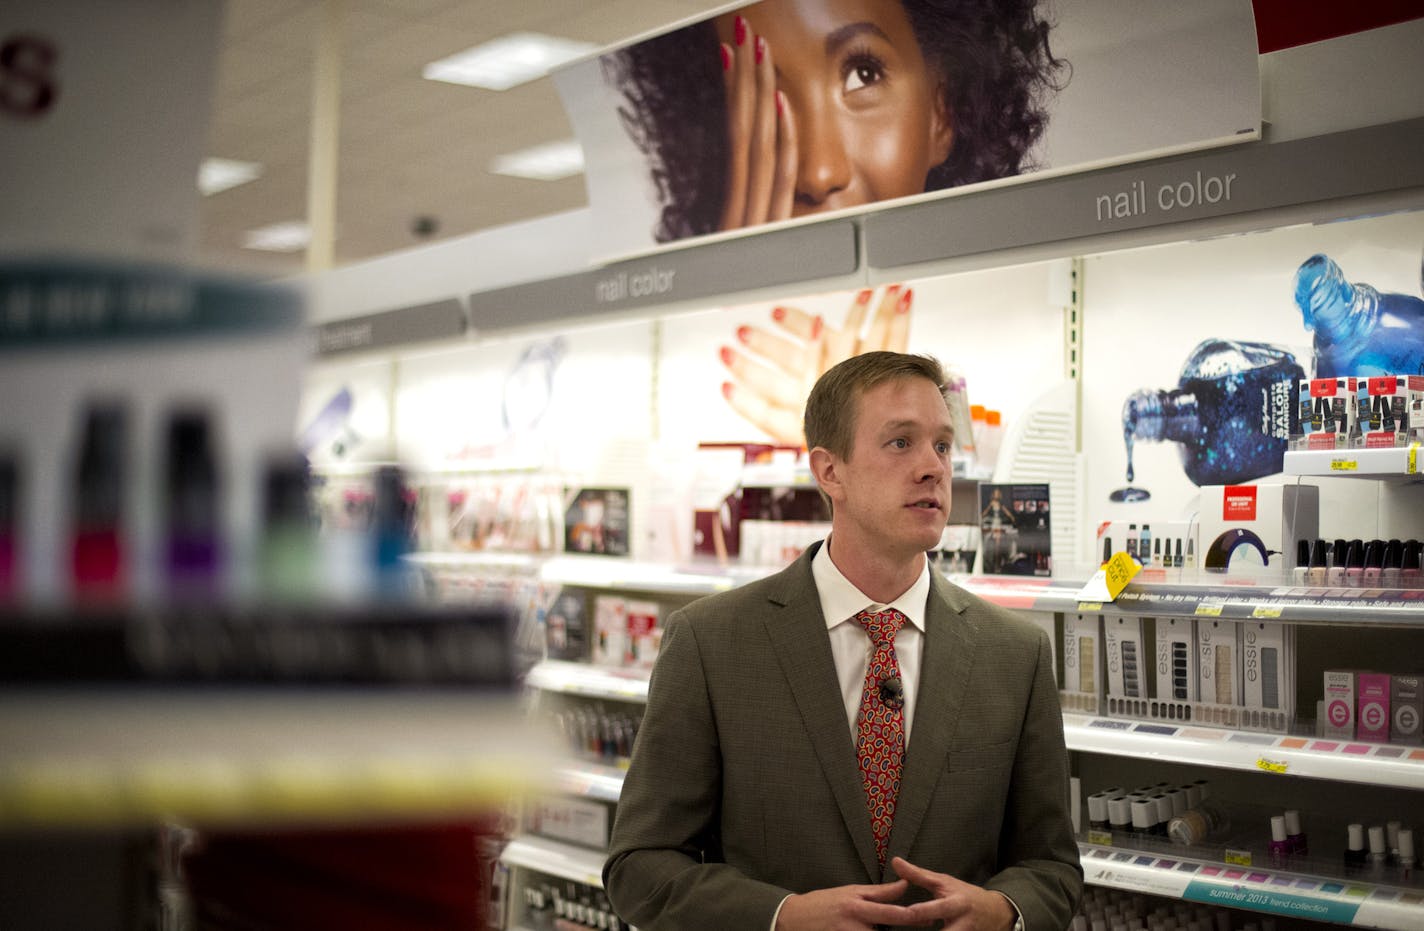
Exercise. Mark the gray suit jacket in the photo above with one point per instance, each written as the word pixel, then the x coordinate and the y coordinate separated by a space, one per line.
pixel 744 785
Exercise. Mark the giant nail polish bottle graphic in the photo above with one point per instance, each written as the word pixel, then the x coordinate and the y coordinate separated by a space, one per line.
pixel 1230 414
pixel 1359 330
pixel 96 555
pixel 192 496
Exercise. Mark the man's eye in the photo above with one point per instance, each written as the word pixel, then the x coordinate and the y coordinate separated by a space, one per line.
pixel 943 448
pixel 900 443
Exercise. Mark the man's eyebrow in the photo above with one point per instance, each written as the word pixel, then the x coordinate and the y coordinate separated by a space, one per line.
pixel 893 425
pixel 849 32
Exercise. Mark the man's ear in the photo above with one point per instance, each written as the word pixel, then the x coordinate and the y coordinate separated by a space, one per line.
pixel 825 467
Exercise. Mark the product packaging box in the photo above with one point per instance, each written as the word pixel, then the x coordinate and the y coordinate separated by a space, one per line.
pixel 1372 706
pixel 1268 674
pixel 1176 655
pixel 644 634
pixel 1327 412
pixel 1127 669
pixel 1219 661
pixel 566 627
pixel 1406 707
pixel 1082 658
pixel 1339 704
pixel 1247 528
pixel 1385 406
pixel 610 631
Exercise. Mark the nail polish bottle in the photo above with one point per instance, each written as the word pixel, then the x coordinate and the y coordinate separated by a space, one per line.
pixel 1374 564
pixel 1177 555
pixel 1412 566
pixel 1335 575
pixel 1408 867
pixel 1355 564
pixel 1302 562
pixel 193 498
pixel 1378 856
pixel 1391 840
pixel 1355 849
pixel 288 553
pixel 1393 574
pixel 1295 833
pixel 1318 566
pixel 1280 844
pixel 1119 813
pixel 1098 812
pixel 1132 542
pixel 97 559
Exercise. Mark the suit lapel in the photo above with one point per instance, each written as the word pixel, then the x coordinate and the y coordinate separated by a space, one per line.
pixel 798 637
pixel 944 682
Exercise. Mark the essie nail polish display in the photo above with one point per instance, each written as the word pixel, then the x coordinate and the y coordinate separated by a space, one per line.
pixel 97 560
pixel 1230 412
pixel 192 498
pixel 1359 330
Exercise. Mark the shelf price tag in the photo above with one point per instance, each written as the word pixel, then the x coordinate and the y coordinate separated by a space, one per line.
pixel 1272 766
pixel 1266 611
pixel 1237 857
pixel 1412 466
pixel 1208 610
pixel 1101 838
pixel 1344 465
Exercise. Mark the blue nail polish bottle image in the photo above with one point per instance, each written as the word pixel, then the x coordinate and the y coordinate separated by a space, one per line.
pixel 1359 330
pixel 1231 412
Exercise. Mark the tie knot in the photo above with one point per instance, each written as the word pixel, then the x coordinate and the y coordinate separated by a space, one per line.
pixel 881 625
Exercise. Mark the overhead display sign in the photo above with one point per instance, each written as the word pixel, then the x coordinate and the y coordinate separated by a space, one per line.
pixel 420 324
pixel 786 109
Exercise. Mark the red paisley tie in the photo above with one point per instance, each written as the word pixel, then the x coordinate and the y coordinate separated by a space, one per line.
pixel 880 727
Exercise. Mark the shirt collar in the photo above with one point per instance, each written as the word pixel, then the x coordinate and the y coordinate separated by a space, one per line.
pixel 841 601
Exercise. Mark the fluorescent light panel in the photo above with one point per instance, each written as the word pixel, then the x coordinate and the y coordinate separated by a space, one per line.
pixel 506 62
pixel 219 174
pixel 289 236
pixel 548 162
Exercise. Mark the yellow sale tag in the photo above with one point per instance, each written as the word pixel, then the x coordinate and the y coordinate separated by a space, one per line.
pixel 1264 611
pixel 1120 570
pixel 1272 766
pixel 1101 838
pixel 1344 465
pixel 1088 607
pixel 1238 857
pixel 1413 466
pixel 1208 610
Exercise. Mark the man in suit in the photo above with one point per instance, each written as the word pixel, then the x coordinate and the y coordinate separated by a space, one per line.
pixel 852 742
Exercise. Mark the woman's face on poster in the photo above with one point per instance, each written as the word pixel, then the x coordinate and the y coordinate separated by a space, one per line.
pixel 868 109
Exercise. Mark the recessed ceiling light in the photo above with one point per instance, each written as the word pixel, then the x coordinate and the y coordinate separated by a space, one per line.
pixel 290 236
pixel 219 174
pixel 548 162
pixel 507 61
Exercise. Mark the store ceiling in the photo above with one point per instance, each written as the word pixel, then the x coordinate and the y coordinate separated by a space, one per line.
pixel 409 147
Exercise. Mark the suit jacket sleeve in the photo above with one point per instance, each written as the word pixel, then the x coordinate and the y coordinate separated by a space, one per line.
pixel 1045 879
pixel 661 871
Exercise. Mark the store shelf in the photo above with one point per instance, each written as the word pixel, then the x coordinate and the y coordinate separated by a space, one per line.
pixel 522 563
pixel 589 780
pixel 1235 598
pixel 94 758
pixel 556 859
pixel 613 572
pixel 1339 901
pixel 1314 757
pixel 590 681
pixel 1398 463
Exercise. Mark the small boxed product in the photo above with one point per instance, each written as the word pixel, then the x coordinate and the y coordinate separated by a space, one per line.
pixel 1246 528
pixel 1127 669
pixel 644 634
pixel 1082 657
pixel 1372 706
pixel 1385 406
pixel 1219 661
pixel 1406 707
pixel 610 631
pixel 1338 704
pixel 1327 412
pixel 1176 655
pixel 1268 674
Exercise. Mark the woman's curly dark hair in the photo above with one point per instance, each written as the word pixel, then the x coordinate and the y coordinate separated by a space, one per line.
pixel 993 57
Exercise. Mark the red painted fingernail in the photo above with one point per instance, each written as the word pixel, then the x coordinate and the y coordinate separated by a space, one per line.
pixel 726 56
pixel 727 390
pixel 892 289
pixel 864 296
pixel 760 49
pixel 816 326
pixel 744 334
pixel 727 355
pixel 778 314
pixel 740 28
pixel 905 299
